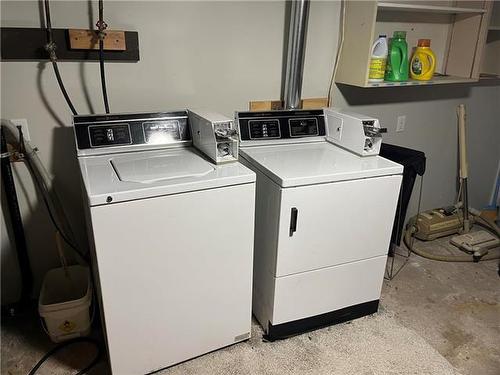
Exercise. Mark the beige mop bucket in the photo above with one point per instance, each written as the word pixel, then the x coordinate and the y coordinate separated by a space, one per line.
pixel 65 301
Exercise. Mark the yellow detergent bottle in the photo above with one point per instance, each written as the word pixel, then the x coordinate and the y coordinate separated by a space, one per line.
pixel 423 62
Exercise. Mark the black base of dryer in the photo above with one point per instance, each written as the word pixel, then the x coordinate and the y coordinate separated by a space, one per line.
pixel 288 329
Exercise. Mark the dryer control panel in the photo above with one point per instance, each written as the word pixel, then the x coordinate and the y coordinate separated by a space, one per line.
pixel 118 132
pixel 280 125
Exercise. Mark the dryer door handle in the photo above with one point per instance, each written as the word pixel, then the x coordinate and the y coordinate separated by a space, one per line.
pixel 293 221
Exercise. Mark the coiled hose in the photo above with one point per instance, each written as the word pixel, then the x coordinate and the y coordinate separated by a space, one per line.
pixel 485 223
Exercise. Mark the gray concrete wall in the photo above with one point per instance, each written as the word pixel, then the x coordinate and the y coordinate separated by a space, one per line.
pixel 219 55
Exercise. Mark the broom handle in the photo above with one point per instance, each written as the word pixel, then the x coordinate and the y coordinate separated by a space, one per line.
pixel 462 146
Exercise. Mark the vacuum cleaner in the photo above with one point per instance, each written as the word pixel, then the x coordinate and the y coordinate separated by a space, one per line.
pixel 457 219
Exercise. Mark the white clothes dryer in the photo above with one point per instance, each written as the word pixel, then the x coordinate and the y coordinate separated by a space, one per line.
pixel 323 222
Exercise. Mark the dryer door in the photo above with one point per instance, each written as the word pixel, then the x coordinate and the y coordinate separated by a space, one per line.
pixel 330 224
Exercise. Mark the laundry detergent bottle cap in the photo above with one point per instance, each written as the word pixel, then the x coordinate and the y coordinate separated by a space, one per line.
pixel 424 43
pixel 423 61
pixel 399 35
pixel 397 59
pixel 378 59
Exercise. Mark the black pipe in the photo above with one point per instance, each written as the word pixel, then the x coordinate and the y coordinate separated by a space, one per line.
pixel 48 23
pixel 16 222
pixel 102 26
pixel 51 50
pixel 103 76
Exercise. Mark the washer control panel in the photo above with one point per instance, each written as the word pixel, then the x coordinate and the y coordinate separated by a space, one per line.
pixel 107 135
pixel 114 131
pixel 276 125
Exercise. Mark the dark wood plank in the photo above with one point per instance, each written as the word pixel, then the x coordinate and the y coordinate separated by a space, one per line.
pixel 21 44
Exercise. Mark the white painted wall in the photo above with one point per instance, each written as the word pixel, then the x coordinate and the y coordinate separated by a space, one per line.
pixel 219 55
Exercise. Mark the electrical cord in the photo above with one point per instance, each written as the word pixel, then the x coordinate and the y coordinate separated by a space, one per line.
pixel 51 47
pixel 339 51
pixel 391 274
pixel 101 25
pixel 63 345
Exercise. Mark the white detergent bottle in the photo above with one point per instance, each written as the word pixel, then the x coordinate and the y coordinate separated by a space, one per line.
pixel 378 59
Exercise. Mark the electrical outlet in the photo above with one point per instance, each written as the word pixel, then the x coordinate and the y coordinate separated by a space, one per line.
pixel 24 127
pixel 401 123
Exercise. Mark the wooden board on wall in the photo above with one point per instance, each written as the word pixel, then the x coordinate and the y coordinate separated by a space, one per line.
pixel 271 105
pixel 265 105
pixel 314 103
pixel 114 40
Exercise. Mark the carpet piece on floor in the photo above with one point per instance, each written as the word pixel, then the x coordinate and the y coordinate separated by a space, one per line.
pixel 372 345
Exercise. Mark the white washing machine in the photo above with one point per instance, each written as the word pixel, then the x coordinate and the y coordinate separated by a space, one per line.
pixel 323 222
pixel 172 237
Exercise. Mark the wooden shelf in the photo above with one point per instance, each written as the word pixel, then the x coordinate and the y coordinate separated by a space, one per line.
pixel 489 77
pixel 438 80
pixel 427 8
pixel 458 37
pixel 490 63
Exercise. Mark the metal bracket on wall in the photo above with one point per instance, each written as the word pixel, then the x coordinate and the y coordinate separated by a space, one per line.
pixel 19 43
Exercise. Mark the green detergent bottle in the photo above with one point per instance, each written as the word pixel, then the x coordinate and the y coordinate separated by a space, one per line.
pixel 397 59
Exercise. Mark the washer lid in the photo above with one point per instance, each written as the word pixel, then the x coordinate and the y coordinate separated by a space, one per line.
pixel 315 163
pixel 145 174
pixel 144 168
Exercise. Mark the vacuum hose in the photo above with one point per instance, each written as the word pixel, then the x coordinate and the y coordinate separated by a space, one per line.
pixel 412 229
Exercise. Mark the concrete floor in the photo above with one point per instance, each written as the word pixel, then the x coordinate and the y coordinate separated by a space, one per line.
pixel 435 318
pixel 455 307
